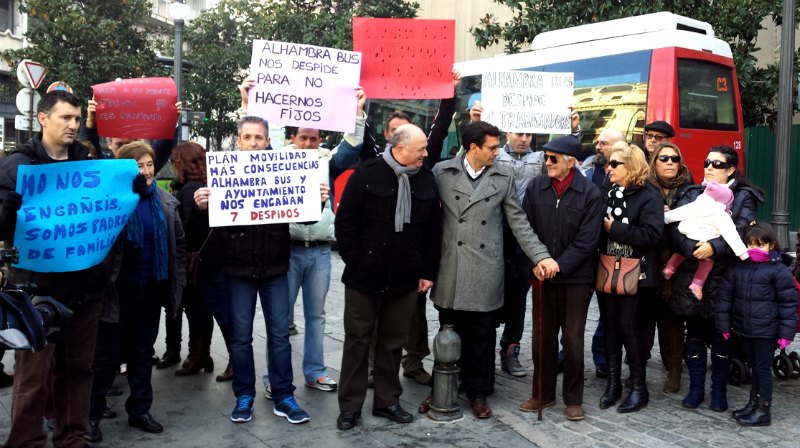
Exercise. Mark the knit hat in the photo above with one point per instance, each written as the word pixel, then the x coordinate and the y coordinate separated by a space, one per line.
pixel 719 193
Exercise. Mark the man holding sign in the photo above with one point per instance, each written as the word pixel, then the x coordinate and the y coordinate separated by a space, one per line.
pixel 255 260
pixel 66 363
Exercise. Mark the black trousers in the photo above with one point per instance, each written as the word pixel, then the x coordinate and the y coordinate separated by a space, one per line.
pixel 760 352
pixel 478 333
pixel 517 285
pixel 622 327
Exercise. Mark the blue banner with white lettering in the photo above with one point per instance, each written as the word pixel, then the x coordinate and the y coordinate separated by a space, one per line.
pixel 72 212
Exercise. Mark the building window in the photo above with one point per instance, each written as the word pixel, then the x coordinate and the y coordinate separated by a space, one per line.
pixel 6 15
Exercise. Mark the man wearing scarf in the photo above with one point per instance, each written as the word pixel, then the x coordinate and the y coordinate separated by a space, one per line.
pixel 388 227
pixel 565 210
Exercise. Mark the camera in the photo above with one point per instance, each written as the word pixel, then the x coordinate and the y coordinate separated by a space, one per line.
pixel 28 321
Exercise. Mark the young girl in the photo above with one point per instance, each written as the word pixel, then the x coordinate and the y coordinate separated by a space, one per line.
pixel 758 300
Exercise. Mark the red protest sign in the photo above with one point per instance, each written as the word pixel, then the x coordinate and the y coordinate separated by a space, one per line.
pixel 405 58
pixel 137 108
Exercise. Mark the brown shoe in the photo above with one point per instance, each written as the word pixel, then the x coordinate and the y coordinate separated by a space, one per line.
pixel 532 405
pixel 227 375
pixel 574 413
pixel 673 383
pixel 425 406
pixel 480 408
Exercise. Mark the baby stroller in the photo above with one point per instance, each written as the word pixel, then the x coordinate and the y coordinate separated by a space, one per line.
pixel 786 366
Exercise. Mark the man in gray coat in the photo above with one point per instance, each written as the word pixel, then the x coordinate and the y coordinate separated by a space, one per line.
pixel 468 292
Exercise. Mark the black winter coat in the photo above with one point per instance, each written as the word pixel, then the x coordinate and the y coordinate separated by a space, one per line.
pixel 758 300
pixel 255 252
pixel 569 227
pixel 683 302
pixel 377 259
pixel 645 210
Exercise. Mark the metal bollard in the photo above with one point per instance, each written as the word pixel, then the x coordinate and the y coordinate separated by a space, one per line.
pixel 446 351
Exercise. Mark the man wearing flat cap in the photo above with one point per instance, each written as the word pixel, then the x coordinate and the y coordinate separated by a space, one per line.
pixel 566 210
pixel 656 133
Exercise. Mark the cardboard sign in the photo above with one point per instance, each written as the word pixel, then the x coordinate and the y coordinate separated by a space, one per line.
pixel 521 101
pixel 263 187
pixel 405 58
pixel 72 212
pixel 137 108
pixel 304 86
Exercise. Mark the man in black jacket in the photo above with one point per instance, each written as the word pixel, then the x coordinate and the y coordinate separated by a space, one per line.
pixel 67 364
pixel 566 210
pixel 388 227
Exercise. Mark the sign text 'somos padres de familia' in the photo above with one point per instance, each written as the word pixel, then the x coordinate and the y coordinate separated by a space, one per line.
pixel 522 101
pixel 304 85
pixel 263 187
pixel 72 212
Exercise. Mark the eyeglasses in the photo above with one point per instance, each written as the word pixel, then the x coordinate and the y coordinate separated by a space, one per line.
pixel 615 163
pixel 551 158
pixel 600 142
pixel 717 164
pixel 656 137
pixel 664 158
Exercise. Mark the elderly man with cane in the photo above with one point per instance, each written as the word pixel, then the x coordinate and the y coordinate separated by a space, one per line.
pixel 565 210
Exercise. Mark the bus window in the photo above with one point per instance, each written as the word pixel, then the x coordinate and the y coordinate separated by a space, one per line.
pixel 706 96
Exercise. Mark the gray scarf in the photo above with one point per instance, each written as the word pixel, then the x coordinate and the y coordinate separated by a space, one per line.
pixel 402 213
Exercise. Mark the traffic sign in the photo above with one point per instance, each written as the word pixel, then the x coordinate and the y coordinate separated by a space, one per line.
pixel 23 123
pixel 24 100
pixel 35 72
pixel 59 85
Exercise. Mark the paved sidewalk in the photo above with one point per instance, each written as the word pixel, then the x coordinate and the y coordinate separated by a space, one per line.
pixel 195 410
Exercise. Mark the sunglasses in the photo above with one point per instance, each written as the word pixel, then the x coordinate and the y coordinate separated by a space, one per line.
pixel 656 137
pixel 551 158
pixel 665 158
pixel 615 163
pixel 717 164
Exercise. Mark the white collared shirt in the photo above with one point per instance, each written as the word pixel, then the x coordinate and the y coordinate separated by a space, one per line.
pixel 472 173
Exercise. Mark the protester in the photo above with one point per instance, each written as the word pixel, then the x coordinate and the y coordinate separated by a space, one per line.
pixel 255 260
pixel 476 196
pixel 388 230
pixel 758 301
pixel 721 166
pixel 632 229
pixel 565 210
pixel 672 179
pixel 59 115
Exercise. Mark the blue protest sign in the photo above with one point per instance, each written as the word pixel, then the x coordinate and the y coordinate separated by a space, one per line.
pixel 72 212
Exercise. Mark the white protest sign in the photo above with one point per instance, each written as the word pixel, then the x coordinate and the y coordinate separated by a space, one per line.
pixel 534 102
pixel 304 86
pixel 263 187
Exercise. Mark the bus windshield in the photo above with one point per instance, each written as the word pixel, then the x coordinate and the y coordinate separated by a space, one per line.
pixel 706 97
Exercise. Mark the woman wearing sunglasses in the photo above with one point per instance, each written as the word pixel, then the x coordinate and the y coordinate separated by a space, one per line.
pixel 672 179
pixel 721 166
pixel 632 229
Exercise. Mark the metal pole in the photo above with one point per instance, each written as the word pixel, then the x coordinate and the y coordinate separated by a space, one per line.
pixel 30 113
pixel 179 70
pixel 780 190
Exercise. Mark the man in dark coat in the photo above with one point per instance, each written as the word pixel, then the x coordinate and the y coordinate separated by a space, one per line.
pixel 388 228
pixel 566 210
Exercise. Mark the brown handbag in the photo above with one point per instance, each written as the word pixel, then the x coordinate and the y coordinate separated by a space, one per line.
pixel 618 275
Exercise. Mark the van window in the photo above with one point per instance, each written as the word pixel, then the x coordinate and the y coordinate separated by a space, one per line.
pixel 705 92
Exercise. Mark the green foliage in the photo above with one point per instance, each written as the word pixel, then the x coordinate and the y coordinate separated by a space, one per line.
pixel 220 45
pixel 735 21
pixel 89 42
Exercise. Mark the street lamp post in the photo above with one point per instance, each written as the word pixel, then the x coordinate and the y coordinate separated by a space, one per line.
pixel 178 10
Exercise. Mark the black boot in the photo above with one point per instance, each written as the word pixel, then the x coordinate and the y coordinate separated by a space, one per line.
pixel 759 417
pixel 720 371
pixel 639 397
pixel 613 384
pixel 696 365
pixel 227 375
pixel 170 358
pixel 748 408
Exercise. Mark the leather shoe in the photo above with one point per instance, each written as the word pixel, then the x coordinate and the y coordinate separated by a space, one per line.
pixel 425 406
pixel 574 413
pixel 93 433
pixel 146 423
pixel 108 413
pixel 394 413
pixel 170 358
pixel 480 408
pixel 347 420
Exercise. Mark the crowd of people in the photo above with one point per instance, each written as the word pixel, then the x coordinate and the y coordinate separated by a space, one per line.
pixel 472 234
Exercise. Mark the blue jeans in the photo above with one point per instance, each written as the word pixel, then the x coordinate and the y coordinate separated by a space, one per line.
pixel 310 268
pixel 276 306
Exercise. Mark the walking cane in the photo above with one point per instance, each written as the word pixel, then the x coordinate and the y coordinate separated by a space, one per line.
pixel 537 286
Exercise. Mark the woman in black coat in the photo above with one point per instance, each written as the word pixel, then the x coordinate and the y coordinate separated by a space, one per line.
pixel 721 166
pixel 632 228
